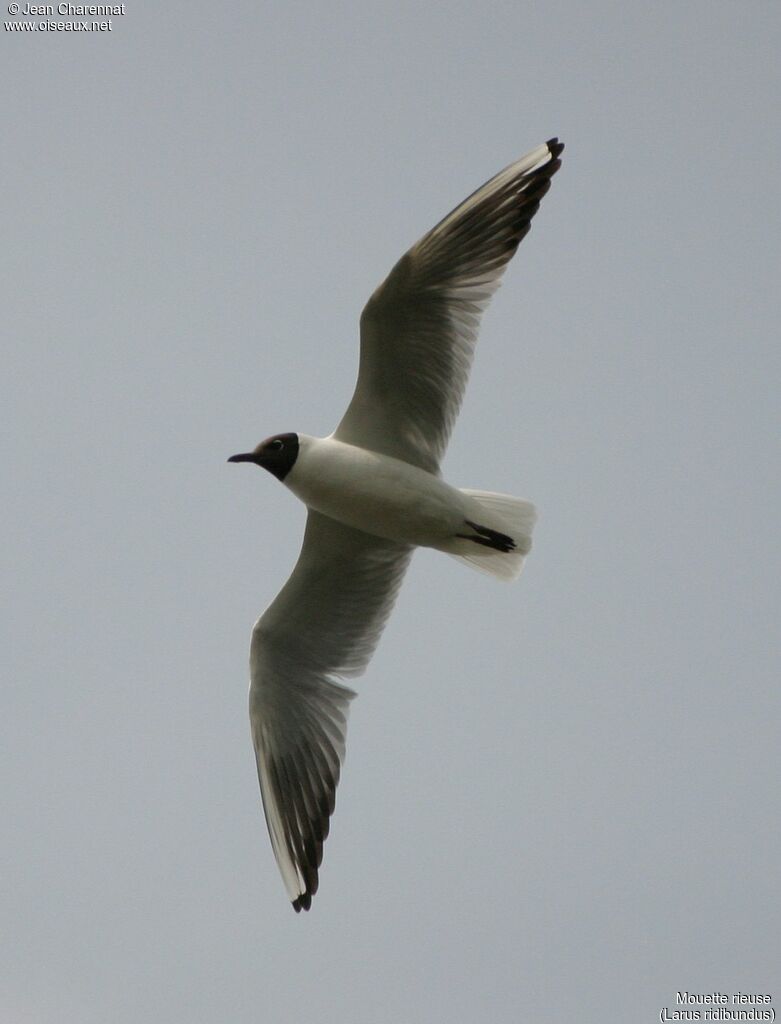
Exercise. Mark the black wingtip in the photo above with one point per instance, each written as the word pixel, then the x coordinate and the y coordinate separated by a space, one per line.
pixel 303 902
pixel 555 147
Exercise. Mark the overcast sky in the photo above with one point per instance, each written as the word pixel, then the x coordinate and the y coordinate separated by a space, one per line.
pixel 561 797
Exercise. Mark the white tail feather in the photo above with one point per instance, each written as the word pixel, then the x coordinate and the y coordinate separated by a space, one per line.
pixel 514 517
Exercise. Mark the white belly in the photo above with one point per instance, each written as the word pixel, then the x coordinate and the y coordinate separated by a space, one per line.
pixel 375 493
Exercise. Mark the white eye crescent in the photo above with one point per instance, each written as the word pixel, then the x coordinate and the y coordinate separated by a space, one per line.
pixel 277 444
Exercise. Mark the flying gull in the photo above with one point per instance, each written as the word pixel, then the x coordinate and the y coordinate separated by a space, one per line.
pixel 374 493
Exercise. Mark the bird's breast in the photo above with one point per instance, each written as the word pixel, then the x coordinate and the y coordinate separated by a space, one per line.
pixel 375 493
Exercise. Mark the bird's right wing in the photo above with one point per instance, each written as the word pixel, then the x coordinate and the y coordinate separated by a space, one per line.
pixel 324 624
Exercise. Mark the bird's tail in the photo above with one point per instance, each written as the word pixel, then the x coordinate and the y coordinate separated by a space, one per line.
pixel 497 536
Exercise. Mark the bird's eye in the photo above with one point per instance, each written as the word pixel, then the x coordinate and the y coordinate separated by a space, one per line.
pixel 276 445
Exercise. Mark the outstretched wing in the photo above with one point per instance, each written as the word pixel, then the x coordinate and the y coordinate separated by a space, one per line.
pixel 419 328
pixel 324 624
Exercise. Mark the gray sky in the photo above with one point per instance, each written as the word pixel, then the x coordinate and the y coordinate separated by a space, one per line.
pixel 560 800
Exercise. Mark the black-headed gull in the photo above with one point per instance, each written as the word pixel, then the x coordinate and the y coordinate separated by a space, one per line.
pixel 374 493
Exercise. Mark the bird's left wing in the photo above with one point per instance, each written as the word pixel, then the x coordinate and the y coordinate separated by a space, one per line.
pixel 418 330
pixel 324 624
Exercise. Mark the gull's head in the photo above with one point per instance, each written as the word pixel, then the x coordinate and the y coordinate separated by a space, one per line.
pixel 277 454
